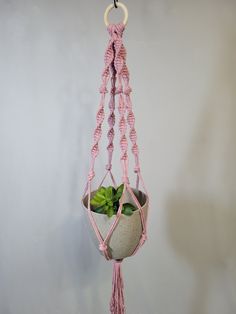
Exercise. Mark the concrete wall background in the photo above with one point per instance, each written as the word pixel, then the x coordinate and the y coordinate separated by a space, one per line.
pixel 181 56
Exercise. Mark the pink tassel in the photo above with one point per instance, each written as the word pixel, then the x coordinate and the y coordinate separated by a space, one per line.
pixel 117 304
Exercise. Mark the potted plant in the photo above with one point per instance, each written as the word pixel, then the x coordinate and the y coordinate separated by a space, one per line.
pixel 104 204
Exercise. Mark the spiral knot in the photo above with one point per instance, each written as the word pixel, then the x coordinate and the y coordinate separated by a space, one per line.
pixel 127 90
pixel 135 149
pixel 103 89
pixel 103 247
pixel 113 91
pixel 119 90
pixel 116 30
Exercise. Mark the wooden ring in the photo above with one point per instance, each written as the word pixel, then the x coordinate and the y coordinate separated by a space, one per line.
pixel 110 7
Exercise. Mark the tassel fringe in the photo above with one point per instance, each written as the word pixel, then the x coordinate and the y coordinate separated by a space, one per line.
pixel 117 304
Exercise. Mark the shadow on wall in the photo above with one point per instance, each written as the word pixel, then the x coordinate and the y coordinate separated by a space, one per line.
pixel 201 212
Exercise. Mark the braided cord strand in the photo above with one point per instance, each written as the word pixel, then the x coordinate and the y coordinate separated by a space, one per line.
pixel 108 59
pixel 131 123
pixel 111 118
pixel 115 32
pixel 119 65
pixel 135 149
pixel 117 73
pixel 111 123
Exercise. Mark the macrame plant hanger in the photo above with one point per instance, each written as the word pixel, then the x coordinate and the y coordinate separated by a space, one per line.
pixel 111 243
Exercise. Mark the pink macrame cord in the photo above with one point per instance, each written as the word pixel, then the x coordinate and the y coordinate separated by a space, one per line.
pixel 116 72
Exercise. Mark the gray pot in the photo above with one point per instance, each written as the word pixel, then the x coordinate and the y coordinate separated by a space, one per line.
pixel 128 231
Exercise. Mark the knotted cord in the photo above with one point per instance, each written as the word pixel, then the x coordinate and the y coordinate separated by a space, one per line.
pixel 116 73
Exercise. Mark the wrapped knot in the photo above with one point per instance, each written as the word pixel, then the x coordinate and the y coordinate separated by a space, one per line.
pixel 116 30
pixel 108 167
pixel 103 247
pixel 91 175
pixel 143 239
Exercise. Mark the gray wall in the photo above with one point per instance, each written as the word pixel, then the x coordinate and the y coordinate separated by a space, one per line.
pixel 181 56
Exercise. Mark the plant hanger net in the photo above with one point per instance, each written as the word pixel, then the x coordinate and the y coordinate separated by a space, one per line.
pixel 116 75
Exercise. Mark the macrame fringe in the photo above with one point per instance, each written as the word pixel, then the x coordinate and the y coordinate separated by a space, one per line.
pixel 117 304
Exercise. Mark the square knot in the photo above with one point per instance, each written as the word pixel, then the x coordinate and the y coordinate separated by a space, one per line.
pixel 91 175
pixel 143 239
pixel 108 167
pixel 136 169
pixel 103 247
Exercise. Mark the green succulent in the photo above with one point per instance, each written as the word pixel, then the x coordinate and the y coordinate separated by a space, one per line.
pixel 106 201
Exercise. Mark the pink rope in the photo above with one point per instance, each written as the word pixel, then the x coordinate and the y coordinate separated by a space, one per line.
pixel 117 304
pixel 111 118
pixel 120 66
pixel 117 72
pixel 131 123
pixel 108 59
pixel 102 244
pixel 118 215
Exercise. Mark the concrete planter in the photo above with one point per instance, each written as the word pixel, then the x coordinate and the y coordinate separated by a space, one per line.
pixel 127 234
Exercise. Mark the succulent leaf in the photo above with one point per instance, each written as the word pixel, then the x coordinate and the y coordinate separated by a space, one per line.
pixel 106 201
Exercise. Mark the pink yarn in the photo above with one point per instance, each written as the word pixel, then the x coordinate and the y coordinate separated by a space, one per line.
pixel 116 71
pixel 111 118
pixel 117 304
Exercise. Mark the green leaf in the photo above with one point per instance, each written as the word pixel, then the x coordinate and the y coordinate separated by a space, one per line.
pixel 96 201
pixel 102 190
pixel 130 206
pixel 100 195
pixel 109 193
pixel 116 206
pixel 106 201
pixel 119 192
pixel 98 198
pixel 106 207
pixel 110 212
pixel 100 209
pixel 128 209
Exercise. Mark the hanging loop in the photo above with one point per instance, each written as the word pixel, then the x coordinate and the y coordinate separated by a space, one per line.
pixel 119 5
pixel 115 5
